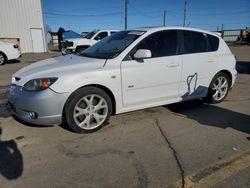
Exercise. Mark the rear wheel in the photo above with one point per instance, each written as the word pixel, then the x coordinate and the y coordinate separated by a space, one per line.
pixel 3 58
pixel 218 88
pixel 88 109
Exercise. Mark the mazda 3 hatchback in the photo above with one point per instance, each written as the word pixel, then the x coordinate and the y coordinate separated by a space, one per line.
pixel 129 70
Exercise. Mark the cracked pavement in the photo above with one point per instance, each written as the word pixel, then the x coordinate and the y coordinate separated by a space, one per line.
pixel 189 144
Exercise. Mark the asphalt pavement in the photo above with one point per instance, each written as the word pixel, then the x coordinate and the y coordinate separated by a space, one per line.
pixel 190 144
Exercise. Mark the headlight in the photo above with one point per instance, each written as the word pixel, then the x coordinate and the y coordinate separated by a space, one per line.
pixel 39 84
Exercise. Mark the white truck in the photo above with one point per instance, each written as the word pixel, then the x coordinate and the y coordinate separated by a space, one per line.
pixel 78 44
pixel 8 51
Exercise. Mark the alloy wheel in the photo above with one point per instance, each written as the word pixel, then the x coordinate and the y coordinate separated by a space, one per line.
pixel 90 111
pixel 219 88
pixel 1 59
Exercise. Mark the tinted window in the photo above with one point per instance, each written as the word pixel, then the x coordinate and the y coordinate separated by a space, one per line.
pixel 113 45
pixel 194 42
pixel 163 43
pixel 213 42
pixel 91 34
pixel 101 35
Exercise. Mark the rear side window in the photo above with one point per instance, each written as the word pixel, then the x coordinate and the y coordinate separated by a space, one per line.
pixel 163 43
pixel 213 42
pixel 194 42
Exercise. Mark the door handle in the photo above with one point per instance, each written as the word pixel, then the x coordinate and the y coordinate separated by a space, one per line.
pixel 173 65
pixel 210 61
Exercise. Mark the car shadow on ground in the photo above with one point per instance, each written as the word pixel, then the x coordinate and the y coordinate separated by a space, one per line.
pixel 243 67
pixel 13 61
pixel 212 115
pixel 11 159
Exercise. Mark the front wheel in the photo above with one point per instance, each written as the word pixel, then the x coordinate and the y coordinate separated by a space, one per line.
pixel 218 88
pixel 2 58
pixel 88 109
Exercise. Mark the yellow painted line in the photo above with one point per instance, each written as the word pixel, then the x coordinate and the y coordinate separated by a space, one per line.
pixel 214 174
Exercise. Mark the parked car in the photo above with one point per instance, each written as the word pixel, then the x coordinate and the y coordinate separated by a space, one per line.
pixel 129 70
pixel 79 44
pixel 8 51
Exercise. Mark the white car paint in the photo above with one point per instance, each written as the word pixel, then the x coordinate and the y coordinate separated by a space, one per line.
pixel 137 85
pixel 9 51
pixel 85 41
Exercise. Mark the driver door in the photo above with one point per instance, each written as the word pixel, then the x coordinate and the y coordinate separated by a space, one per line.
pixel 156 80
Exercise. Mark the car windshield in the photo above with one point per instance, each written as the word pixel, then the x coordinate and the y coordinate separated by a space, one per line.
pixel 112 46
pixel 91 34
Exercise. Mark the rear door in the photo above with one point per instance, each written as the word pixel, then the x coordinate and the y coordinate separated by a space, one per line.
pixel 199 65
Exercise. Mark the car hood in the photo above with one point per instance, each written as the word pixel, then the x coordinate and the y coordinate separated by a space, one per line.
pixel 56 67
pixel 78 40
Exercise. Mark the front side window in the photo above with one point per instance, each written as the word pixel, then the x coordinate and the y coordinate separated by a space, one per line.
pixel 91 34
pixel 101 35
pixel 112 46
pixel 163 43
pixel 194 42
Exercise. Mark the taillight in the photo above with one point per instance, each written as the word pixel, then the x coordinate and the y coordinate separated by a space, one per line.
pixel 15 46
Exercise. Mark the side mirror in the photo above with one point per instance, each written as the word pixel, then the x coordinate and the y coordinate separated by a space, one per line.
pixel 142 54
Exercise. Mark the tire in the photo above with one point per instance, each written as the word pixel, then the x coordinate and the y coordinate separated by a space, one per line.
pixel 3 58
pixel 87 110
pixel 218 88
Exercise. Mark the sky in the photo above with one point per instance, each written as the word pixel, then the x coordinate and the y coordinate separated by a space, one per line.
pixel 86 15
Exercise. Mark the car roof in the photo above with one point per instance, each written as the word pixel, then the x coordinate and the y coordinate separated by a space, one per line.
pixel 154 29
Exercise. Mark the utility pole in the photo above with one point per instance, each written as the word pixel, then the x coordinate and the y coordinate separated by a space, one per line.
pixel 218 28
pixel 126 14
pixel 164 18
pixel 222 27
pixel 185 12
pixel 222 30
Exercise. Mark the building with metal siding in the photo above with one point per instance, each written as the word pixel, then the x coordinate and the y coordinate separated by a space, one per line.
pixel 23 20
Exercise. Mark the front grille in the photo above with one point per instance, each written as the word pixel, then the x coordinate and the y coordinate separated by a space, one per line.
pixel 63 44
pixel 69 44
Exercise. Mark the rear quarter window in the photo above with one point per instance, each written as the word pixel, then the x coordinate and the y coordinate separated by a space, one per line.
pixel 213 42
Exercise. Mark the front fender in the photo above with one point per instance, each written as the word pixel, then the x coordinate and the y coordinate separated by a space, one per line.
pixel 107 79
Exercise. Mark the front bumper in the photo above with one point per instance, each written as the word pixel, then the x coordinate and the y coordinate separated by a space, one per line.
pixel 47 105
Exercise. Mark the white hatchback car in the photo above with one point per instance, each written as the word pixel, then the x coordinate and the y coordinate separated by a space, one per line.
pixel 8 51
pixel 129 70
